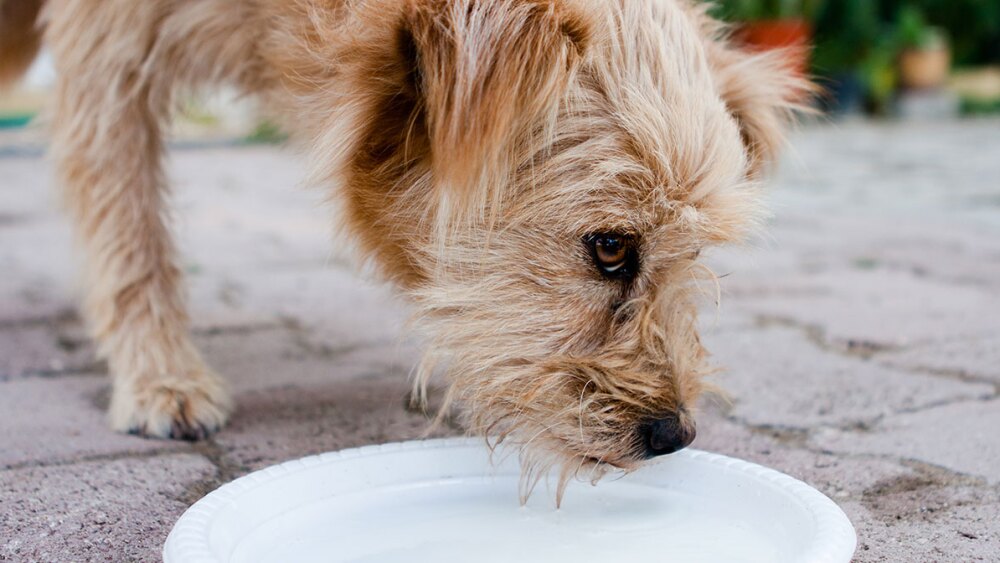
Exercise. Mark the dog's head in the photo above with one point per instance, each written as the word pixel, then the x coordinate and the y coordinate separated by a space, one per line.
pixel 541 177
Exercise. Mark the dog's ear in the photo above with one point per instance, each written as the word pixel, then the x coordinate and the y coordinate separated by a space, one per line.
pixel 428 104
pixel 486 74
pixel 762 91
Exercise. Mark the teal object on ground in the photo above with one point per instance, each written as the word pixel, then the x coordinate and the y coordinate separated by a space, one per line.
pixel 16 120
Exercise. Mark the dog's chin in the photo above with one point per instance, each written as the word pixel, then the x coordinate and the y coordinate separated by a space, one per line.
pixel 614 466
pixel 562 465
pixel 607 464
pixel 610 459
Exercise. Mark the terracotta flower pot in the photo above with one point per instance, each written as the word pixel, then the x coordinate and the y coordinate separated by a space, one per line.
pixel 792 35
pixel 921 69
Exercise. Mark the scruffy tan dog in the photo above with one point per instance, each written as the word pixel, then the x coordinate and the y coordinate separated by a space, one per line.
pixel 537 176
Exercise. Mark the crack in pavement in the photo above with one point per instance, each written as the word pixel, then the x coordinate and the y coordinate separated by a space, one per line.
pixel 62 316
pixel 225 471
pixel 301 339
pixel 954 374
pixel 130 454
pixel 858 425
pixel 868 349
pixel 237 330
pixel 815 334
pixel 851 347
pixel 938 404
pixel 97 368
pixel 799 439
pixel 919 271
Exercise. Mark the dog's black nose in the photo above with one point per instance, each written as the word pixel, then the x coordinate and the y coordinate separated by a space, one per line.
pixel 667 435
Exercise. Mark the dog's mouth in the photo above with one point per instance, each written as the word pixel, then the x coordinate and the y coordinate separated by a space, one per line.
pixel 610 463
pixel 591 460
pixel 625 459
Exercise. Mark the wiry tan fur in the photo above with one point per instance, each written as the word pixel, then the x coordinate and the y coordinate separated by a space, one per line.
pixel 472 146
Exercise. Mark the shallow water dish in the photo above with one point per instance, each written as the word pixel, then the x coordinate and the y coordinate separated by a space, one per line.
pixel 443 501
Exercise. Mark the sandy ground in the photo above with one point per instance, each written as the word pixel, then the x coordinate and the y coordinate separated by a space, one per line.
pixel 861 340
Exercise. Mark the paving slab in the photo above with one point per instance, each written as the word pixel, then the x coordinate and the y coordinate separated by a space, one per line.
pixel 260 357
pixel 903 511
pixel 842 478
pixel 61 420
pixel 777 375
pixel 44 346
pixel 859 337
pixel 970 358
pixel 884 307
pixel 108 510
pixel 962 436
pixel 918 519
pixel 293 421
pixel 334 305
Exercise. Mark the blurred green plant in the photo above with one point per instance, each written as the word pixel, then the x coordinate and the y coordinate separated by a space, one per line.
pixel 972 26
pixel 266 133
pixel 846 33
pixel 754 10
pixel 859 41
pixel 972 106
pixel 913 31
pixel 878 74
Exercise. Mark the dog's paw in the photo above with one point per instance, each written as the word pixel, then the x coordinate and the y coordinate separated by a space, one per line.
pixel 190 409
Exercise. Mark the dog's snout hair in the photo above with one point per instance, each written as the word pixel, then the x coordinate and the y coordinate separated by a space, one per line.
pixel 572 393
pixel 538 177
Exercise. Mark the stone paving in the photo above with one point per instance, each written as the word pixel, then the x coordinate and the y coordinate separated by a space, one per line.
pixel 861 338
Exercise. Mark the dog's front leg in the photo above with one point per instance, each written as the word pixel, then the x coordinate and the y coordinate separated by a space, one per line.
pixel 108 146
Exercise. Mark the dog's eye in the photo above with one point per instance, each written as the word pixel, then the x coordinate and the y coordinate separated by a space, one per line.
pixel 613 254
pixel 610 252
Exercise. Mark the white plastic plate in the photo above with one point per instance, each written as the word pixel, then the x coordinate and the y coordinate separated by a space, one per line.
pixel 445 501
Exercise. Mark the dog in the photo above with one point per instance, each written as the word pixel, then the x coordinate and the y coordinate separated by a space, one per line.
pixel 537 177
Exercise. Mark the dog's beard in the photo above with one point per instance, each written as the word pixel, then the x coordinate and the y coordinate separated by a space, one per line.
pixel 560 421
pixel 544 456
pixel 538 464
pixel 572 414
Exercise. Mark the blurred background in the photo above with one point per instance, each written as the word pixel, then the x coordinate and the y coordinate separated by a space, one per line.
pixel 905 58
pixel 858 338
pixel 884 58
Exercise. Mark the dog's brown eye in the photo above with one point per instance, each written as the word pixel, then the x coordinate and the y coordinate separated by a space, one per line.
pixel 610 252
pixel 613 254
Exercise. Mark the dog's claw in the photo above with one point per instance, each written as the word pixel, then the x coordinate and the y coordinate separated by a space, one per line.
pixel 188 432
pixel 189 412
pixel 178 431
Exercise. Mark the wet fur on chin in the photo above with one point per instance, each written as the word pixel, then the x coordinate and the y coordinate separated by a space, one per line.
pixel 471 148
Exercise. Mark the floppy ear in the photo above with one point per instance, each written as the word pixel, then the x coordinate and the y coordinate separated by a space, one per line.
pixel 420 116
pixel 486 74
pixel 763 90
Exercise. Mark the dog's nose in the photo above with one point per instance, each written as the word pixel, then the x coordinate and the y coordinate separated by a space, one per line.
pixel 667 435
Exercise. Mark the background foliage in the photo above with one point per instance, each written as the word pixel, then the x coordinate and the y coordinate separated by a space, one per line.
pixel 861 39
